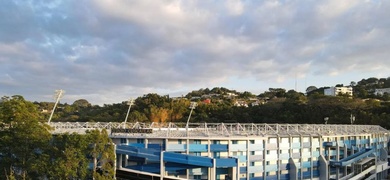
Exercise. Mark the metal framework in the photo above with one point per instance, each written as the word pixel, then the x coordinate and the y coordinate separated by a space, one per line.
pixel 167 130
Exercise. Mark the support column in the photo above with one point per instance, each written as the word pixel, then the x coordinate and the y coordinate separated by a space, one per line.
pixel 145 143
pixel 116 158
pixel 324 168
pixel 266 144
pixel 238 169
pixel 247 158
pixel 345 155
pixel 162 165
pixel 311 155
pixel 126 160
pixel 293 172
pixel 213 170
pixel 188 152
pixel 210 169
pixel 301 156
pixel 119 161
pixel 337 139
pixel 146 147
pixel 235 173
pixel 278 154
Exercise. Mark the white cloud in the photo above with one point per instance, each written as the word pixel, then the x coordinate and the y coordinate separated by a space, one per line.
pixel 102 49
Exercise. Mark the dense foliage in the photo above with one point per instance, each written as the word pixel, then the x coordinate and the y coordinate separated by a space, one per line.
pixel 29 151
pixel 276 105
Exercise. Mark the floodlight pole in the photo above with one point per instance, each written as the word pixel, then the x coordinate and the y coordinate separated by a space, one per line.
pixel 326 120
pixel 57 96
pixel 192 106
pixel 130 102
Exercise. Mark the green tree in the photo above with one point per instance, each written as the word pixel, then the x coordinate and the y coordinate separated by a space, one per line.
pixel 102 153
pixel 23 139
pixel 81 103
pixel 68 157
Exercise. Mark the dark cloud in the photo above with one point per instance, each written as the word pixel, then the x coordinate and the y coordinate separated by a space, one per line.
pixel 106 50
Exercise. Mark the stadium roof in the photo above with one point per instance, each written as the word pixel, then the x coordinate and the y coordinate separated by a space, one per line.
pixel 202 130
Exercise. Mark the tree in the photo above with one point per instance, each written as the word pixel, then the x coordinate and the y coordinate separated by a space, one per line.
pixel 23 139
pixel 158 114
pixel 68 157
pixel 101 150
pixel 246 95
pixel 179 108
pixel 310 89
pixel 81 103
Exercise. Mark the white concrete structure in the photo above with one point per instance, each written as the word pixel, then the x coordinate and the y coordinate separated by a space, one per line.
pixel 334 91
pixel 382 91
pixel 218 151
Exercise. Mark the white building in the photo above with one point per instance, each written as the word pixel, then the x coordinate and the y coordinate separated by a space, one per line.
pixel 333 91
pixel 221 151
pixel 382 91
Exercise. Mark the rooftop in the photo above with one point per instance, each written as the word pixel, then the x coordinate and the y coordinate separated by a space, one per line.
pixel 169 130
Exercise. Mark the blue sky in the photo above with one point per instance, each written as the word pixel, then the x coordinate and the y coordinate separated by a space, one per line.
pixel 108 51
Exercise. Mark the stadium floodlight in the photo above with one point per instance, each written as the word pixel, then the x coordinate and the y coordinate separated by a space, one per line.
pixel 326 119
pixel 57 96
pixel 130 103
pixel 352 118
pixel 192 107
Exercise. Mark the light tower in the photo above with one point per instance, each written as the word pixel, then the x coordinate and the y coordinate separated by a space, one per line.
pixel 352 118
pixel 192 107
pixel 130 103
pixel 326 119
pixel 57 96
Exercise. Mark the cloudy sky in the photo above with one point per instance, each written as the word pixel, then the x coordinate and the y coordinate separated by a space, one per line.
pixel 108 51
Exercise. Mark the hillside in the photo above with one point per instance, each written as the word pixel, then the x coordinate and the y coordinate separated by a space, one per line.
pixel 224 105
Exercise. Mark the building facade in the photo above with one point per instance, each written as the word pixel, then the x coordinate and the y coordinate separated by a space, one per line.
pixel 253 151
pixel 381 92
pixel 334 91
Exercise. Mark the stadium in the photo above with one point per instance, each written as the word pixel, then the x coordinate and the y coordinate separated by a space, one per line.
pixel 245 151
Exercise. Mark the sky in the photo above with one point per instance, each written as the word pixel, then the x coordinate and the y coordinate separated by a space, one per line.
pixel 108 51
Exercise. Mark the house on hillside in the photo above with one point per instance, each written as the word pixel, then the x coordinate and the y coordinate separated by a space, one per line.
pixel 230 95
pixel 380 92
pixel 240 103
pixel 334 91
pixel 207 101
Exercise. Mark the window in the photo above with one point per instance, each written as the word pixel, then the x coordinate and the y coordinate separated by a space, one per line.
pixel 234 142
pixel 272 140
pixel 123 140
pixel 179 141
pixel 197 177
pixel 217 154
pixel 140 140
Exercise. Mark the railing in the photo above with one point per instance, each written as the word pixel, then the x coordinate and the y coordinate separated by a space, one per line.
pixel 222 129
